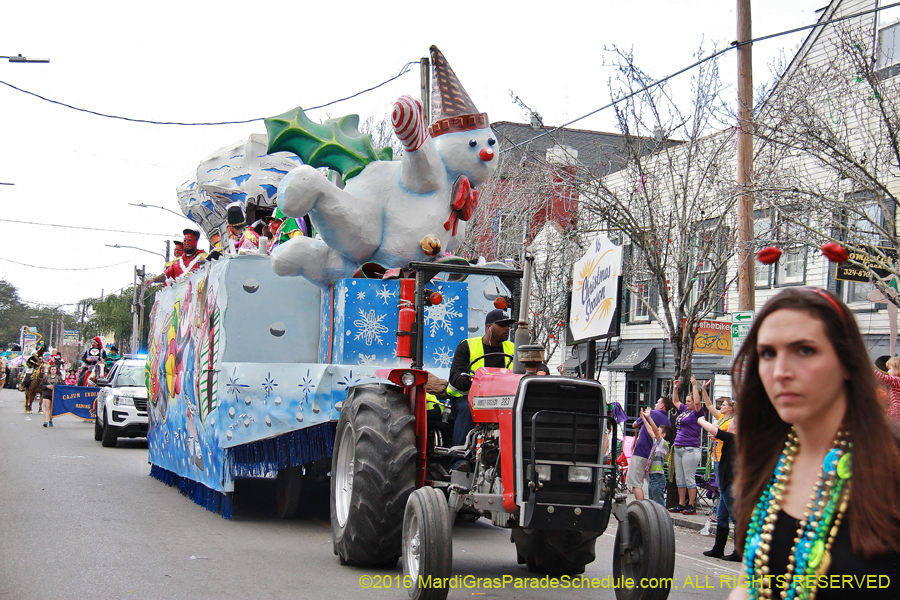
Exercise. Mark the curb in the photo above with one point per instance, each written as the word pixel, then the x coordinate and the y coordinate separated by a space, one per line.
pixel 681 521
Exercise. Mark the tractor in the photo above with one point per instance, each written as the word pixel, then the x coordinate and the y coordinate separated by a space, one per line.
pixel 540 449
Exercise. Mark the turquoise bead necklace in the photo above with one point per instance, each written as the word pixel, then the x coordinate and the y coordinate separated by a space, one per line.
pixel 811 553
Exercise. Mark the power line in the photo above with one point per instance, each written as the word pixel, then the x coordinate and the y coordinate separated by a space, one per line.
pixel 168 235
pixel 403 71
pixel 68 268
pixel 697 64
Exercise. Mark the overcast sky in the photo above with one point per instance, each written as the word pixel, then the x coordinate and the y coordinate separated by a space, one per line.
pixel 197 61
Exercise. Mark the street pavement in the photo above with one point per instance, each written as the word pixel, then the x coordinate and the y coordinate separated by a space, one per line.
pixel 81 521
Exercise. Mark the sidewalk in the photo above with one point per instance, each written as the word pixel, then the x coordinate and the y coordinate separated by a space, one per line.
pixel 694 522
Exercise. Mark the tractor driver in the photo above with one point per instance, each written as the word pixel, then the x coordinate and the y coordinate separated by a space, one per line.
pixel 494 341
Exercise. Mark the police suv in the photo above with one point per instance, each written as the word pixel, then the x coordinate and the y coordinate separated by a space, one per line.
pixel 122 402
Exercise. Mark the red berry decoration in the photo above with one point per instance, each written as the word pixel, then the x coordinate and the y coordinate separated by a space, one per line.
pixel 835 252
pixel 769 255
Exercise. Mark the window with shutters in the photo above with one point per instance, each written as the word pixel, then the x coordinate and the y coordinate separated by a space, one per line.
pixel 866 225
pixel 708 289
pixel 888 48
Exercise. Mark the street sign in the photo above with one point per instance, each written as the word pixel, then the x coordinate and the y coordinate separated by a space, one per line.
pixel 741 321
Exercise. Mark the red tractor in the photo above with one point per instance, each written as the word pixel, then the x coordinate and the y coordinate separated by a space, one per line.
pixel 540 449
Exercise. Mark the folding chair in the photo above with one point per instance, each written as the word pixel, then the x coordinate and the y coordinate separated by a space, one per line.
pixel 707 486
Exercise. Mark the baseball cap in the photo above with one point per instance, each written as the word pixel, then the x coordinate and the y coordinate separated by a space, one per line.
pixel 498 315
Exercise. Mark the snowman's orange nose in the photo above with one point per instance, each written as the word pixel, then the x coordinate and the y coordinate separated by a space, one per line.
pixel 486 154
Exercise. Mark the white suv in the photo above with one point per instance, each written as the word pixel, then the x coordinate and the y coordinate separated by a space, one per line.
pixel 122 402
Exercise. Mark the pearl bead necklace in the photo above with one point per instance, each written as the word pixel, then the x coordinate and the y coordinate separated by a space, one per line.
pixel 811 551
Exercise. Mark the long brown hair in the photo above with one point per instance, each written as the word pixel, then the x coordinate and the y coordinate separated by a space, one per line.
pixel 874 509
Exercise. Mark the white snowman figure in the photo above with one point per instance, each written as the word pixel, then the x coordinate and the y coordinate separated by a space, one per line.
pixel 395 212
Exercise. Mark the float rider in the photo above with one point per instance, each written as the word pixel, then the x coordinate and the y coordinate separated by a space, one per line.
pixel 494 341
pixel 189 261
pixel 242 236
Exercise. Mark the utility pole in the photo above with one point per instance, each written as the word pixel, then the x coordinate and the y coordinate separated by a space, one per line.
pixel 141 302
pixel 167 250
pixel 425 70
pixel 134 312
pixel 746 278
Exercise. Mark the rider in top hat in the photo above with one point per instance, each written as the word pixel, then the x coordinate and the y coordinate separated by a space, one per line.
pixel 244 238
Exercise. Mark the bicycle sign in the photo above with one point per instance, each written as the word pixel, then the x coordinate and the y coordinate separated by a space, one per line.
pixel 713 337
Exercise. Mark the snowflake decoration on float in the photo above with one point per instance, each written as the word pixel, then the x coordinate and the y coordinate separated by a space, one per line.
pixel 384 293
pixel 366 359
pixel 370 327
pixel 348 381
pixel 360 295
pixel 269 385
pixel 439 316
pixel 443 357
pixel 306 386
pixel 234 386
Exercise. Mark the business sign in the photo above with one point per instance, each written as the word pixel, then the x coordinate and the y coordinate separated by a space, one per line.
pixel 713 337
pixel 70 335
pixel 741 322
pixel 595 290
pixel 861 265
pixel 80 402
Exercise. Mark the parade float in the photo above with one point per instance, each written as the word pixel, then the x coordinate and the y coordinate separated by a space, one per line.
pixel 248 367
pixel 317 360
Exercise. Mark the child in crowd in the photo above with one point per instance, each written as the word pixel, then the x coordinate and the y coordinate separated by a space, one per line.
pixel 71 379
pixel 663 437
pixel 892 379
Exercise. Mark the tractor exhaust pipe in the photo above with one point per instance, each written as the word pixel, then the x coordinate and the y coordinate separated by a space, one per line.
pixel 523 335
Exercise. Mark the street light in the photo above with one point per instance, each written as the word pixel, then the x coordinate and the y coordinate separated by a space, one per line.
pixel 134 247
pixel 142 205
pixel 21 59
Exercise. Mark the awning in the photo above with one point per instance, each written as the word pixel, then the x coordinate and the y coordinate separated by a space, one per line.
pixel 634 358
pixel 723 366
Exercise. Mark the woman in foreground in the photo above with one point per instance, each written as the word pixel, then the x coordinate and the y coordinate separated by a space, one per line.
pixel 818 463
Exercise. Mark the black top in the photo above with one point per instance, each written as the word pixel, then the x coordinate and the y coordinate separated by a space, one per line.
pixel 885 568
pixel 726 463
pixel 460 367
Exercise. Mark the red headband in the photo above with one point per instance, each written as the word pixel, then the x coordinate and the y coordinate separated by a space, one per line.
pixel 828 297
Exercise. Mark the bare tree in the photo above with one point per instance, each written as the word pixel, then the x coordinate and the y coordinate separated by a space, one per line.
pixel 382 133
pixel 830 151
pixel 531 205
pixel 672 205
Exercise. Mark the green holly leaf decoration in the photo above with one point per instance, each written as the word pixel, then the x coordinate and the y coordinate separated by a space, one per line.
pixel 336 144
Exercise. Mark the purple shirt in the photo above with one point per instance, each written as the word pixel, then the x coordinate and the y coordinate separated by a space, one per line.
pixel 688 428
pixel 645 438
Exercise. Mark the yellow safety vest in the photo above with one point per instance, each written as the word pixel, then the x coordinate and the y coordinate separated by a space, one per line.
pixel 476 352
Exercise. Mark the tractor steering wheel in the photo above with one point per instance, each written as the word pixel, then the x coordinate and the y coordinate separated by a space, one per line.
pixel 509 359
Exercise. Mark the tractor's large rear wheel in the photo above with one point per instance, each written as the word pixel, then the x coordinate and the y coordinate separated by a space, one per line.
pixel 555 552
pixel 427 544
pixel 652 554
pixel 373 471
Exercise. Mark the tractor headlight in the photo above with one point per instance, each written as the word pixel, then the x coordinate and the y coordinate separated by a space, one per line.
pixel 580 475
pixel 408 379
pixel 543 472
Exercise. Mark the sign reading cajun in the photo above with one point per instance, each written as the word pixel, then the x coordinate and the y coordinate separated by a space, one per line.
pixel 713 337
pixel 862 265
